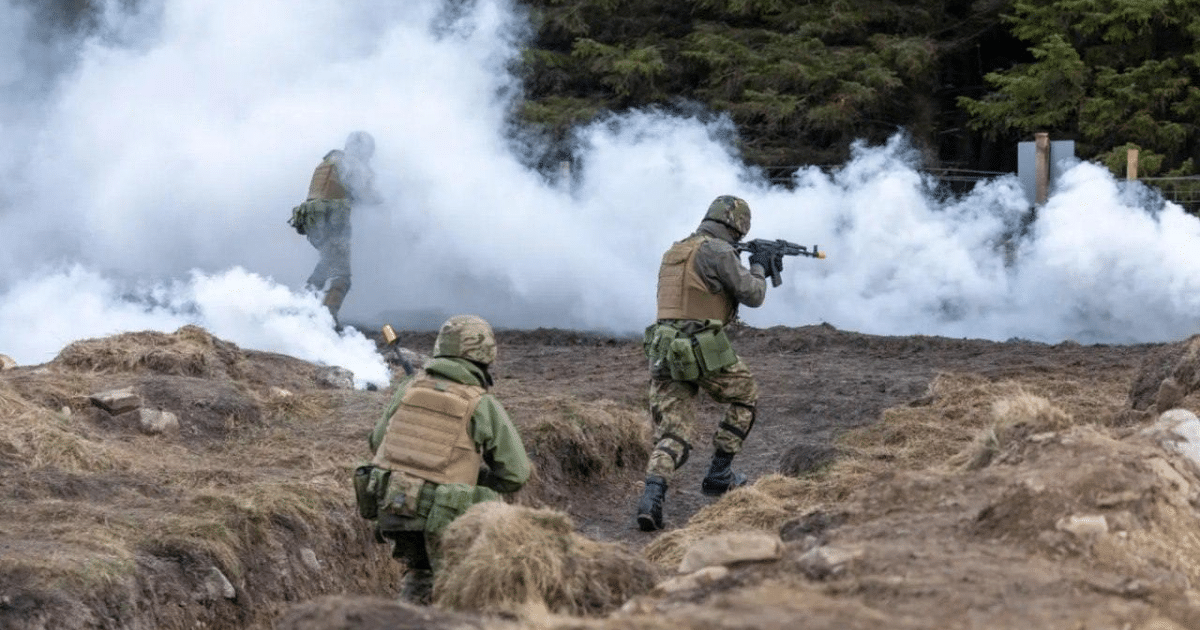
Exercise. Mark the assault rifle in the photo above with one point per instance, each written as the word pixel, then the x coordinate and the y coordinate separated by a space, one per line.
pixel 773 252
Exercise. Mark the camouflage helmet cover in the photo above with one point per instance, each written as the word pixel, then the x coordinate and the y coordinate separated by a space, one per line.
pixel 466 336
pixel 733 212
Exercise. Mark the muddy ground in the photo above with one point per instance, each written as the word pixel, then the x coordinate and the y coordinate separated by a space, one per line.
pixel 854 443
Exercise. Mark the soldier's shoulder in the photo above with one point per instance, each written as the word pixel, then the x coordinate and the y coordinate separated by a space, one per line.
pixel 717 245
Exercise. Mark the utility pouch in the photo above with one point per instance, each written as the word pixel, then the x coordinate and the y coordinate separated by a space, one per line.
pixel 403 492
pixel 450 500
pixel 682 359
pixel 299 217
pixel 368 481
pixel 660 338
pixel 648 340
pixel 714 349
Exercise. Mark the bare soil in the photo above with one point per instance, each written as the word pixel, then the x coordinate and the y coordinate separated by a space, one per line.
pixel 862 443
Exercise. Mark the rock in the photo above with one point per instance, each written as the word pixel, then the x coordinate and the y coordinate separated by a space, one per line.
pixel 279 392
pixel 335 377
pixel 157 422
pixel 117 401
pixel 691 581
pixel 1177 430
pixel 731 548
pixel 309 558
pixel 217 585
pixel 1083 525
pixel 828 561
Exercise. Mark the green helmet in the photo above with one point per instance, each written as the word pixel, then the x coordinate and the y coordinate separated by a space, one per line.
pixel 466 336
pixel 732 212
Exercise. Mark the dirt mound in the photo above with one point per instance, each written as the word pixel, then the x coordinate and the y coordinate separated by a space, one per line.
pixel 189 351
pixel 500 558
pixel 914 482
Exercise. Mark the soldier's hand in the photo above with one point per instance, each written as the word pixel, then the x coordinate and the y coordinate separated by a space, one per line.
pixel 762 259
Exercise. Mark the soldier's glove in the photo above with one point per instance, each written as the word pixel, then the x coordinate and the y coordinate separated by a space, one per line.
pixel 762 259
pixel 487 478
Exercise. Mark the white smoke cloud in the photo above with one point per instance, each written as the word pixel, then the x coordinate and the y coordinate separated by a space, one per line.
pixel 174 145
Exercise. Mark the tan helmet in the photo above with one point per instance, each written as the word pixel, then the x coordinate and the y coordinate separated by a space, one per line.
pixel 468 337
pixel 732 212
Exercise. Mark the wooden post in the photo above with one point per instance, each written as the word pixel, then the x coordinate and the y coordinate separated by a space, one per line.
pixel 1041 167
pixel 1131 164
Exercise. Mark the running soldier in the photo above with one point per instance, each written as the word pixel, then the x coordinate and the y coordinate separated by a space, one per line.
pixel 701 282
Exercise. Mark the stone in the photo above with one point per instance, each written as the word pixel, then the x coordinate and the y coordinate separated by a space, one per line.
pixel 117 401
pixel 157 422
pixel 691 581
pixel 336 378
pixel 731 548
pixel 828 561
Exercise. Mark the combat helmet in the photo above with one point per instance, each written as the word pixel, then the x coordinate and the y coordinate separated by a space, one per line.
pixel 360 144
pixel 468 337
pixel 732 212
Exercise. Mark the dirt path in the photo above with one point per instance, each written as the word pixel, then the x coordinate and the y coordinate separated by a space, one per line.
pixel 816 382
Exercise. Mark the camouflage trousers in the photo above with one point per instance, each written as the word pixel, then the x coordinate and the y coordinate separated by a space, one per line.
pixel 328 231
pixel 673 411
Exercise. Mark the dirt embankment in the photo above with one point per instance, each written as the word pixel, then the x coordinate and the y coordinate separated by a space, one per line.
pixel 945 483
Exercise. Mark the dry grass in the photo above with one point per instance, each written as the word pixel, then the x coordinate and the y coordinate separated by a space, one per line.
pixel 574 441
pixel 90 497
pixel 964 420
pixel 1015 418
pixel 501 558
pixel 764 506
pixel 189 351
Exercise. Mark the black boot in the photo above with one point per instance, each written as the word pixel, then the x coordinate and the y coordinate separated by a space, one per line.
pixel 721 478
pixel 649 514
pixel 418 587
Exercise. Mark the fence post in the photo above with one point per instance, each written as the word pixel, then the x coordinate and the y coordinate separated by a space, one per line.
pixel 1041 167
pixel 1131 164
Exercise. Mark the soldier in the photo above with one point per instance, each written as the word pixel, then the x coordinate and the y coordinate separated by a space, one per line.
pixel 341 181
pixel 443 444
pixel 701 282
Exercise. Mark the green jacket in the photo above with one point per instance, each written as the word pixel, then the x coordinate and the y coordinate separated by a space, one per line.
pixel 494 433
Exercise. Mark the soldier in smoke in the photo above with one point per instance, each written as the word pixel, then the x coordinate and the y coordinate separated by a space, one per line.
pixel 343 180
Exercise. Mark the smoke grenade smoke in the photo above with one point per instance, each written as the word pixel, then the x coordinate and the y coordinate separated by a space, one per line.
pixel 153 162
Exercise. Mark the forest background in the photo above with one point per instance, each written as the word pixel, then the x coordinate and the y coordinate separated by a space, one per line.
pixel 804 79
pixel 966 80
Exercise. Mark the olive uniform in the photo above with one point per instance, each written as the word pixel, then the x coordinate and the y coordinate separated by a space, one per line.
pixel 443 444
pixel 701 282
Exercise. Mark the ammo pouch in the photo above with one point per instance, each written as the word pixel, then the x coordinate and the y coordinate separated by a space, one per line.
pixel 450 500
pixel 369 485
pixel 379 490
pixel 689 356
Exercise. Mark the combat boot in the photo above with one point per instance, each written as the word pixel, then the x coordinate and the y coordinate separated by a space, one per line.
pixel 721 478
pixel 418 587
pixel 649 513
